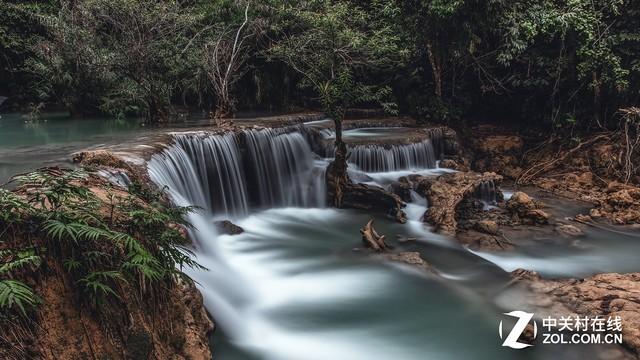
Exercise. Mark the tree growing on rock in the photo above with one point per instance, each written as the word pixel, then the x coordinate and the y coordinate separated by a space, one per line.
pixel 332 45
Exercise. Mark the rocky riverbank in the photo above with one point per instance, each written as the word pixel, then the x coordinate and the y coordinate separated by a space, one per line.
pixel 94 281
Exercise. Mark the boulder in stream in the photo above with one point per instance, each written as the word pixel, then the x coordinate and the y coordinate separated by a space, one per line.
pixel 228 228
pixel 446 193
pixel 526 210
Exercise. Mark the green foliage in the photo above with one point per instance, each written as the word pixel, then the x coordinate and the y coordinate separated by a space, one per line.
pixel 16 294
pixel 333 44
pixel 138 244
pixel 518 60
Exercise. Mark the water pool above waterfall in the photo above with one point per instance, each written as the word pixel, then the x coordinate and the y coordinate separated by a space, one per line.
pixel 296 285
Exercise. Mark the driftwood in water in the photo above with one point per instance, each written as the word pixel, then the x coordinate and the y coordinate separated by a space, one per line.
pixel 371 238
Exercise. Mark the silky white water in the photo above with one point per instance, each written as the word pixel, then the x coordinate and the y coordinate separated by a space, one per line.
pixel 297 285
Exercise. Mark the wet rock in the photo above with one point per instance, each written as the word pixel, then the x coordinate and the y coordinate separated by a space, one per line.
pixel 457 164
pixel 402 188
pixel 100 158
pixel 446 193
pixel 228 228
pixel 621 206
pixel 362 196
pixel 488 227
pixel 569 230
pixel 449 163
pixel 412 258
pixel 476 240
pixel 586 218
pixel 601 295
pixel 535 217
pixel 520 202
pixel 525 210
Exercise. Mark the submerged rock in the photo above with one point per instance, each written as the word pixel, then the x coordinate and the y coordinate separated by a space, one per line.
pixel 228 228
pixel 569 230
pixel 412 258
pixel 487 226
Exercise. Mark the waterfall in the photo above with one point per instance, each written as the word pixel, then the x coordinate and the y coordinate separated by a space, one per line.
pixel 486 192
pixel 212 172
pixel 282 168
pixel 223 174
pixel 205 171
pixel 383 158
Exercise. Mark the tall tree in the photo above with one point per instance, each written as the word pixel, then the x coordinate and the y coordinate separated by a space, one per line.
pixel 225 57
pixel 333 44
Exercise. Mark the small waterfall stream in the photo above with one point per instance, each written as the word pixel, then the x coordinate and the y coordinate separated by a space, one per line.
pixel 384 158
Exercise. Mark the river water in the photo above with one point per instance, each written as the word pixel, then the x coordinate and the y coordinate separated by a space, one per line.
pixel 297 284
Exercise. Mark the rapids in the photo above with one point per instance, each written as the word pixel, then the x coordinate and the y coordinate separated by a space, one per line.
pixel 296 285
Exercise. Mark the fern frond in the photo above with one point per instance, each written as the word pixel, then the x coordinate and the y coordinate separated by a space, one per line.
pixel 16 293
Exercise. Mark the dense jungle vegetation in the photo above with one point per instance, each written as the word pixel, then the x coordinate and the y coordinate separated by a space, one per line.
pixel 563 64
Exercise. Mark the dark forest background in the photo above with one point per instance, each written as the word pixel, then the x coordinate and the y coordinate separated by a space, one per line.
pixel 554 64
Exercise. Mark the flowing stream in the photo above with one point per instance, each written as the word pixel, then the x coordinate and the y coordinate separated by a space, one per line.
pixel 297 285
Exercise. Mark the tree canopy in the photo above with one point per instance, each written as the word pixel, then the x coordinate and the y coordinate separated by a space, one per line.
pixel 565 64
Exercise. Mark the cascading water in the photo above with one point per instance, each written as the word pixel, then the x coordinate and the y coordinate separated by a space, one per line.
pixel 205 171
pixel 283 290
pixel 376 158
pixel 388 157
pixel 487 193
pixel 283 169
pixel 210 171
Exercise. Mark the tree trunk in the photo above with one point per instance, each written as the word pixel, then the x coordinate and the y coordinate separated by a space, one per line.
pixel 436 68
pixel 223 109
pixel 596 99
pixel 339 165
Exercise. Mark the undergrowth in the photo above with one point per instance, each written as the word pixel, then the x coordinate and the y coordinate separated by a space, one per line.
pixel 104 243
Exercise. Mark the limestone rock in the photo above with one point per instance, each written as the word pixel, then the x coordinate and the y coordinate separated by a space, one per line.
pixel 601 295
pixel 412 258
pixel 487 226
pixel 446 192
pixel 492 151
pixel 526 210
pixel 569 230
pixel 402 188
